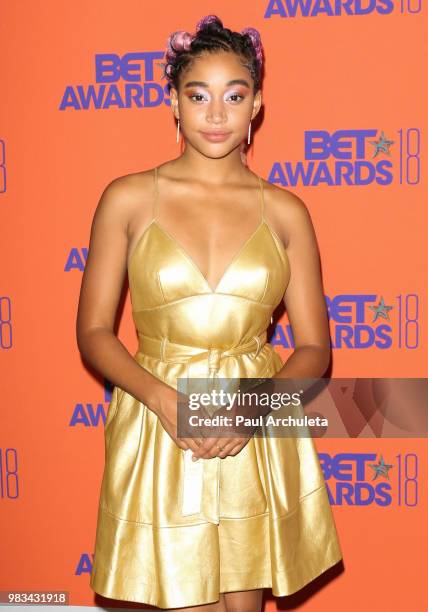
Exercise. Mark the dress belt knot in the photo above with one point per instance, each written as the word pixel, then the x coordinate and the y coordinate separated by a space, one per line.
pixel 214 358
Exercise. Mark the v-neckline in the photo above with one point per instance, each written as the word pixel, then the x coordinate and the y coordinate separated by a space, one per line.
pixel 192 261
pixel 185 252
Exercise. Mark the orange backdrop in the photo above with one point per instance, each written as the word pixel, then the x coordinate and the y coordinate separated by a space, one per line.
pixel 356 76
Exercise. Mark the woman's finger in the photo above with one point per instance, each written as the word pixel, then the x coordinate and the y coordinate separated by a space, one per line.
pixel 192 444
pixel 209 448
pixel 236 445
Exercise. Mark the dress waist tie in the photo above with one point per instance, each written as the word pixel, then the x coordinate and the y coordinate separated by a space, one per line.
pixel 201 479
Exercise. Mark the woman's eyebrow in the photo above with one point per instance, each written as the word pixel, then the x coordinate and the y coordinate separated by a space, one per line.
pixel 229 83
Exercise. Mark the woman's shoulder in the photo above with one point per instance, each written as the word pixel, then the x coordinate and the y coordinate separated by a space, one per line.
pixel 279 197
pixel 127 196
pixel 286 210
pixel 131 187
pixel 125 201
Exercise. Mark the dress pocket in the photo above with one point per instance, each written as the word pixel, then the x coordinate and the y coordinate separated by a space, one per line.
pixel 267 369
pixel 116 396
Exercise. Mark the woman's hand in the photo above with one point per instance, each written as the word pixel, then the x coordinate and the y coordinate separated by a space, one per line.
pixel 233 443
pixel 211 447
pixel 166 411
pixel 223 446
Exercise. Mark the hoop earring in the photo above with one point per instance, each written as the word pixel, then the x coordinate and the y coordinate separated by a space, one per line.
pixel 249 133
pixel 178 130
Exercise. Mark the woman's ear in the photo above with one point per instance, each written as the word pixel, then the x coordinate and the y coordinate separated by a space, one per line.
pixel 173 96
pixel 256 104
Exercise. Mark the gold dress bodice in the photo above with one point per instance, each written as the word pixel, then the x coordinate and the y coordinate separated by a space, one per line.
pixel 172 301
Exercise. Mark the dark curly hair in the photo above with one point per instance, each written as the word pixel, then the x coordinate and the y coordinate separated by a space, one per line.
pixel 211 36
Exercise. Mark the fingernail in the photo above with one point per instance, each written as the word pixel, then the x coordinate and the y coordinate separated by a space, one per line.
pixel 194 458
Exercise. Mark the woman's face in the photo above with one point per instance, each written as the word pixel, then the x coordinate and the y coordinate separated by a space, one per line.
pixel 215 103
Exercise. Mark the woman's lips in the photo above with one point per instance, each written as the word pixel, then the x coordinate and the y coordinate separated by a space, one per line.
pixel 216 136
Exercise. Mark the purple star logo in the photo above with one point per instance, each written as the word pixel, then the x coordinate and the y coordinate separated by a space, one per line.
pixel 380 469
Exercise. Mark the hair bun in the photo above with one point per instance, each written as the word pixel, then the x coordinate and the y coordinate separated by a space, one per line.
pixel 209 20
pixel 256 41
pixel 180 41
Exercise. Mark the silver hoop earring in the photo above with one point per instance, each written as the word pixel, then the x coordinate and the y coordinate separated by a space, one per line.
pixel 178 130
pixel 249 133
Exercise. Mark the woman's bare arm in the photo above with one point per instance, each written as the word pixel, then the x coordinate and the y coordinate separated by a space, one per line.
pixel 304 297
pixel 102 284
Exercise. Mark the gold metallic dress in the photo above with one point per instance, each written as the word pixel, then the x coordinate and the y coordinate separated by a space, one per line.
pixel 175 533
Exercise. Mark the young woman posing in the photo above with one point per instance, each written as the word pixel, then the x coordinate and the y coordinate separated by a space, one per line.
pixel 210 250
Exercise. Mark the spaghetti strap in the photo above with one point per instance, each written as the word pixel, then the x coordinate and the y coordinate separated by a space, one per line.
pixel 262 201
pixel 155 194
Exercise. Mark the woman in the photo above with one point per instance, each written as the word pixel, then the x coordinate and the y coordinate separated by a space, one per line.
pixel 210 250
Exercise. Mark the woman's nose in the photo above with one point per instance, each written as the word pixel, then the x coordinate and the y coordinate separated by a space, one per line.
pixel 216 112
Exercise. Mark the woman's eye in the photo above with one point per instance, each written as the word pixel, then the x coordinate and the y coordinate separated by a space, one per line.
pixel 199 97
pixel 236 97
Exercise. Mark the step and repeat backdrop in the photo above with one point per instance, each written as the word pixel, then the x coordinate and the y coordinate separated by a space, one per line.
pixel 344 127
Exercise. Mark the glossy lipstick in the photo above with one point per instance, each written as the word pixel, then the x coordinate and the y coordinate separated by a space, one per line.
pixel 216 136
